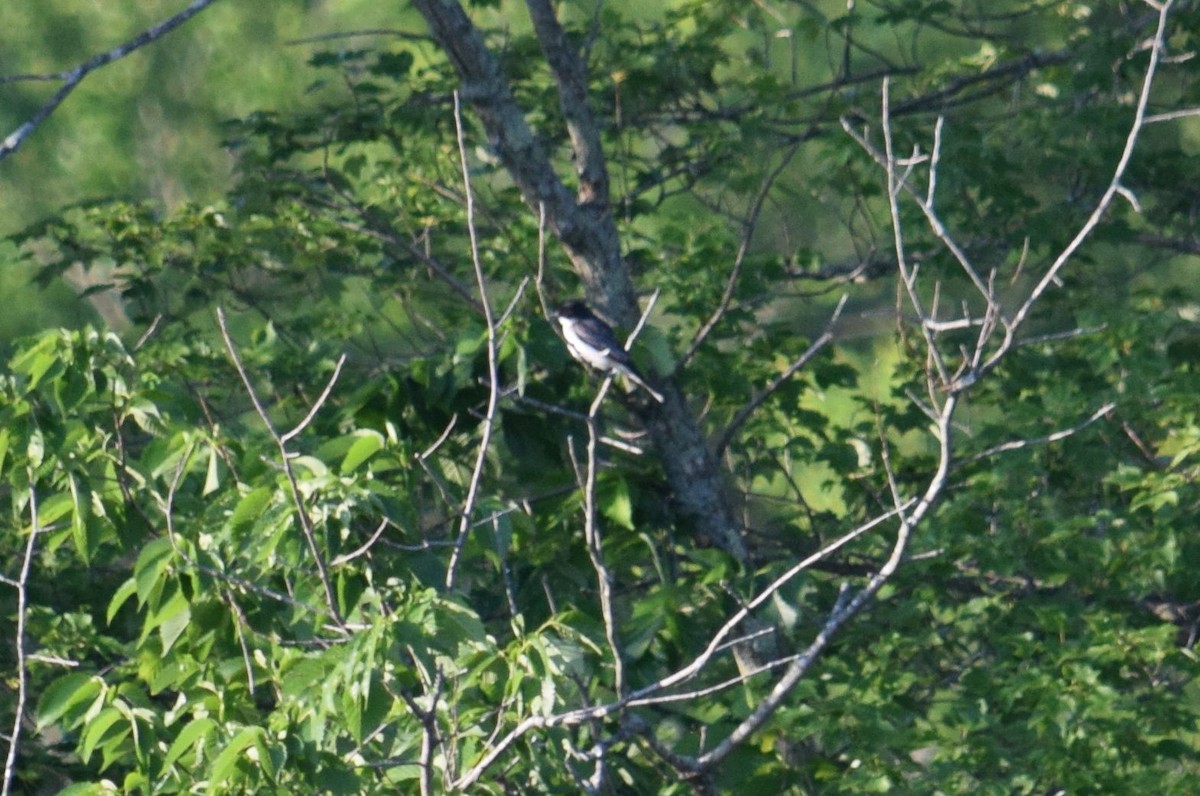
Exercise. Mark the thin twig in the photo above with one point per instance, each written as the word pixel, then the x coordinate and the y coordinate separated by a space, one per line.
pixel 404 35
pixel 316 407
pixel 363 548
pixel 10 763
pixel 1171 115
pixel 845 609
pixel 637 329
pixel 437 443
pixel 543 406
pixel 1114 187
pixel 1017 444
pixel 749 226
pixel 306 524
pixel 908 276
pixel 750 408
pixel 489 418
pixel 604 578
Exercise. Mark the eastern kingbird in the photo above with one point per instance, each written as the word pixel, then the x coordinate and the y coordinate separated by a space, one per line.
pixel 592 342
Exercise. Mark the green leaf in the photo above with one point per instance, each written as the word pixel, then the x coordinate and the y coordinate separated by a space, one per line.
pixel 212 477
pixel 617 505
pixel 367 444
pixel 123 593
pixel 102 730
pixel 152 562
pixel 37 361
pixel 168 614
pixel 55 507
pixel 225 766
pixel 81 509
pixel 66 695
pixel 172 619
pixel 104 788
pixel 35 451
pixel 196 731
pixel 250 507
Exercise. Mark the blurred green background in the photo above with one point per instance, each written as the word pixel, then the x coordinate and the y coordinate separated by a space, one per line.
pixel 149 125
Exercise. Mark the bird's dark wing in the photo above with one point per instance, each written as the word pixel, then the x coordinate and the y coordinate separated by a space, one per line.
pixel 597 334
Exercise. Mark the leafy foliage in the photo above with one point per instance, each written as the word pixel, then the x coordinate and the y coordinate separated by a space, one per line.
pixel 223 599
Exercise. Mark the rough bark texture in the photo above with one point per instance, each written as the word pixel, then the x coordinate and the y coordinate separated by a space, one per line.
pixel 585 227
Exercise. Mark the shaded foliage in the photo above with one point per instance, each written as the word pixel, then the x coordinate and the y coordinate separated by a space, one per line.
pixel 1039 637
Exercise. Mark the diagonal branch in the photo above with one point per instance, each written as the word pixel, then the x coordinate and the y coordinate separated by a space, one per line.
pixel 306 523
pixel 749 226
pixel 750 408
pixel 1017 444
pixel 1114 187
pixel 71 79
pixel 845 609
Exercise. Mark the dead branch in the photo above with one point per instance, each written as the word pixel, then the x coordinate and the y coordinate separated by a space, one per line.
pixel 21 585
pixel 285 457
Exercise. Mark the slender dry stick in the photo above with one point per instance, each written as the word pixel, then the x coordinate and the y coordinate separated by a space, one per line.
pixel 239 624
pixel 934 221
pixel 285 457
pixel 72 78
pixel 489 418
pixel 644 695
pixel 845 609
pixel 316 407
pixel 1017 444
pixel 363 548
pixel 1106 199
pixel 35 527
pixel 750 408
pixel 907 275
pixel 637 329
pixel 604 577
pixel 429 733
pixel 1172 115
pixel 749 226
pixel 539 282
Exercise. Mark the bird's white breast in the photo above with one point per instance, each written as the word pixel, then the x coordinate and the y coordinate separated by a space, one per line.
pixel 598 359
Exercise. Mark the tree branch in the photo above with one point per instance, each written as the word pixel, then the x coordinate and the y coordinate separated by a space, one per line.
pixel 489 418
pixel 21 585
pixel 1114 187
pixel 570 74
pixel 588 234
pixel 74 77
pixel 285 457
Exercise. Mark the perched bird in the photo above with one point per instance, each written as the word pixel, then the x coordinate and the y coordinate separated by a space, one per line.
pixel 592 342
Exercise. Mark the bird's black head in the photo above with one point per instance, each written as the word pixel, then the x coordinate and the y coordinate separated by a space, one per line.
pixel 575 311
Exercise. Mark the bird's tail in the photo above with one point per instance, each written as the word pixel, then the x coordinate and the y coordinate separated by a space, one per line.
pixel 636 379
